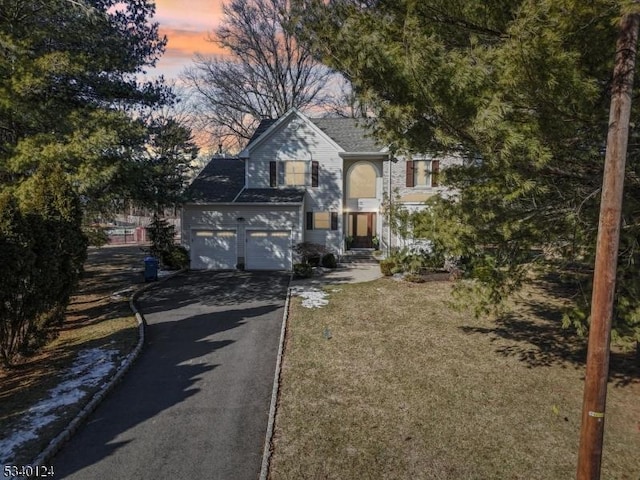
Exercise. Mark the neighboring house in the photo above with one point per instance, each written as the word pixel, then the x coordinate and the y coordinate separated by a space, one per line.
pixel 320 180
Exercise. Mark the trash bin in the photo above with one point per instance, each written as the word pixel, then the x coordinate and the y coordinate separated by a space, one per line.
pixel 150 269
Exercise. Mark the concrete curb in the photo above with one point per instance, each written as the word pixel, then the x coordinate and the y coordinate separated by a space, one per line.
pixel 55 444
pixel 266 454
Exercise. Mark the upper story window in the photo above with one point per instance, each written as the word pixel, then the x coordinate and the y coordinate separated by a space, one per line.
pixel 361 181
pixel 293 173
pixel 423 173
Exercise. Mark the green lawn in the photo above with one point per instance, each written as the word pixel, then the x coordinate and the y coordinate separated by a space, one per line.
pixel 407 388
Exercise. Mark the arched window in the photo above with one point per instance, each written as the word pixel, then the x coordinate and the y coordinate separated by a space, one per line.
pixel 361 181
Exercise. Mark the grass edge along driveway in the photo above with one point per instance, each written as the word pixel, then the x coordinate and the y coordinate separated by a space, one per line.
pixel 388 382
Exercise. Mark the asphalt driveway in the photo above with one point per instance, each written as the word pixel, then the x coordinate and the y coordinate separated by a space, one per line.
pixel 195 404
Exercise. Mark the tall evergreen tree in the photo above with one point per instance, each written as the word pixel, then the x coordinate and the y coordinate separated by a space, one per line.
pixel 521 91
pixel 70 135
pixel 69 86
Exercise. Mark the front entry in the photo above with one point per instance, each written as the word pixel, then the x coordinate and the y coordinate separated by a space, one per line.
pixel 361 228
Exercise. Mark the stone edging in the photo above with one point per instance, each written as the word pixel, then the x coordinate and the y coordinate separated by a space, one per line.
pixel 55 444
pixel 268 447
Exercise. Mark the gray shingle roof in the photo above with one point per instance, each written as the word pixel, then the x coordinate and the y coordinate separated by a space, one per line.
pixel 350 133
pixel 220 181
pixel 271 195
pixel 223 179
pixel 264 124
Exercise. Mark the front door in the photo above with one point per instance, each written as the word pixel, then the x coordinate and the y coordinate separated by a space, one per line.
pixel 361 228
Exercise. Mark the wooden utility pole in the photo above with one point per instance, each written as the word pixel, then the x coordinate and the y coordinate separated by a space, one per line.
pixel 604 277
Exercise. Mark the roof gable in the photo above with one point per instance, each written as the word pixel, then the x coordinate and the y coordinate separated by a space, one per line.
pixel 347 135
pixel 269 127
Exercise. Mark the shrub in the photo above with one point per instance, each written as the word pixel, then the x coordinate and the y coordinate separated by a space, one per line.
pixel 329 261
pixel 302 270
pixel 96 236
pixel 161 233
pixel 416 260
pixel 42 249
pixel 413 278
pixel 386 266
pixel 310 252
pixel 175 258
pixel 314 260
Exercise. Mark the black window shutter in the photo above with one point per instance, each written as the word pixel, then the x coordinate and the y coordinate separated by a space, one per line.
pixel 334 220
pixel 315 167
pixel 435 173
pixel 273 175
pixel 309 220
pixel 410 168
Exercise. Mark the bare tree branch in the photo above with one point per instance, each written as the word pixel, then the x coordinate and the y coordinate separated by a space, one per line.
pixel 266 73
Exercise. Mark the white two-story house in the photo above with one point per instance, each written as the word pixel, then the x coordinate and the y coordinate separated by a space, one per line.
pixel 320 180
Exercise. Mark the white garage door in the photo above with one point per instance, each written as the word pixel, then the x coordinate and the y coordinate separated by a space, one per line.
pixel 268 250
pixel 213 250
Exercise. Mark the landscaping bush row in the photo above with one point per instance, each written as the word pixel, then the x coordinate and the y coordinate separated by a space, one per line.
pixel 312 255
pixel 413 261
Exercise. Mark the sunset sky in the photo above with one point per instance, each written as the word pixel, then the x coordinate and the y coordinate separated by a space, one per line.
pixel 186 23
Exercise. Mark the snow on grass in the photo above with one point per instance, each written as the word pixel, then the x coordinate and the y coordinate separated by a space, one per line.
pixel 312 297
pixel 89 370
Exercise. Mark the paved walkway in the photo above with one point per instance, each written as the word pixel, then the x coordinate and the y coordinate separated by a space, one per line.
pixel 345 273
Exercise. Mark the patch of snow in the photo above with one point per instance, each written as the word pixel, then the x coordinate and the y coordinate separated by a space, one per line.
pixel 88 371
pixel 312 297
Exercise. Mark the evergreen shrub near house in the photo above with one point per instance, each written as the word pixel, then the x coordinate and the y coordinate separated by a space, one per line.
pixel 314 260
pixel 310 253
pixel 418 260
pixel 161 233
pixel 386 266
pixel 302 270
pixel 176 258
pixel 329 261
pixel 163 247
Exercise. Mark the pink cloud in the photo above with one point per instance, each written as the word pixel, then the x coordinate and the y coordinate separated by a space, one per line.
pixel 187 43
pixel 186 24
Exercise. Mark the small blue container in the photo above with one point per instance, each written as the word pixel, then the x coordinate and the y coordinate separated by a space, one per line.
pixel 150 269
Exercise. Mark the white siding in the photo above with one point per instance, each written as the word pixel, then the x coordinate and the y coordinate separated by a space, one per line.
pixel 296 139
pixel 255 216
pixel 332 239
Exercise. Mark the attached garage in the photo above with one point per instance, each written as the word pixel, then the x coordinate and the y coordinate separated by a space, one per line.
pixel 226 225
pixel 268 250
pixel 213 249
